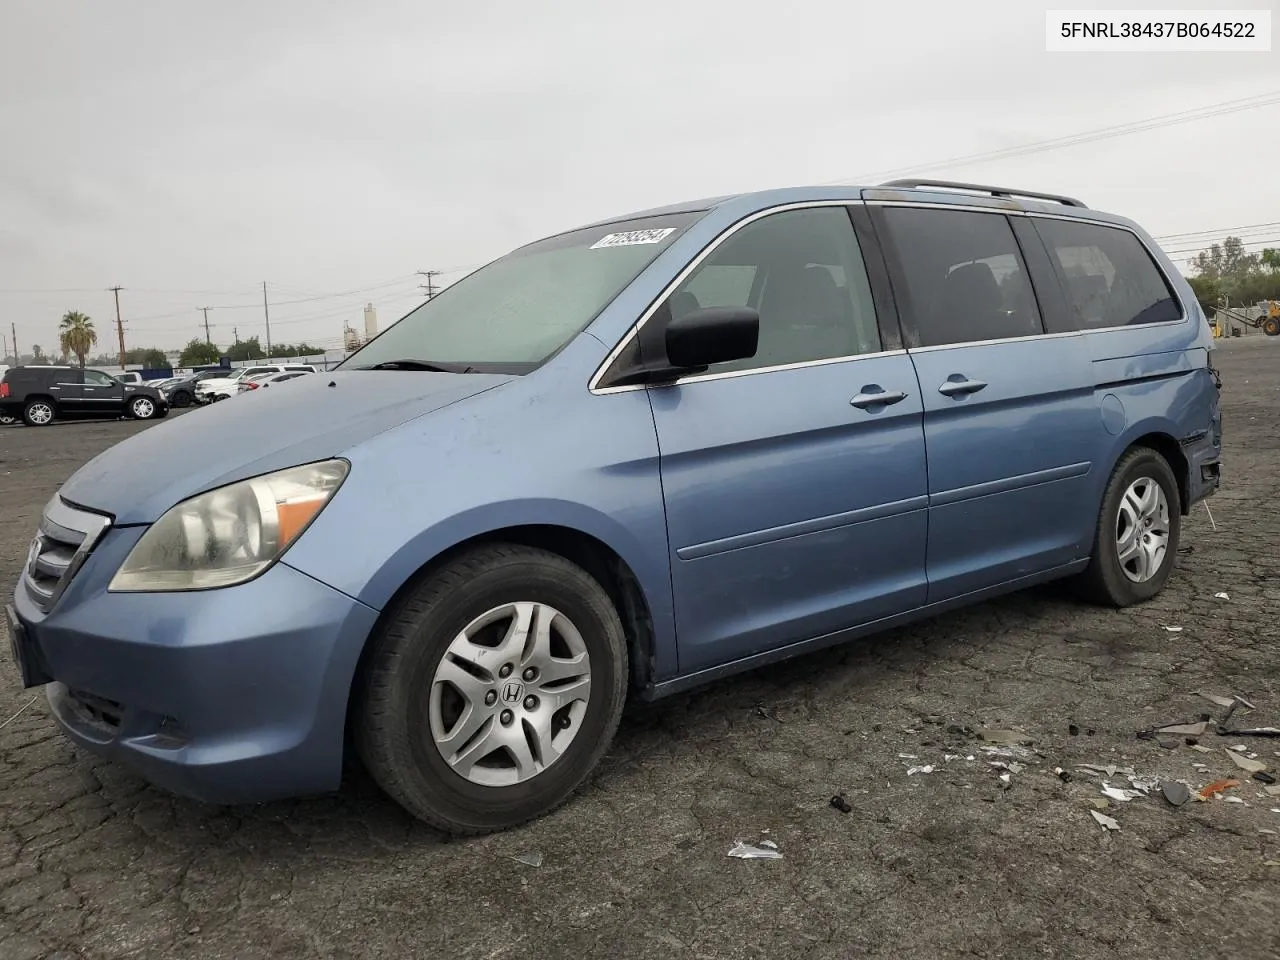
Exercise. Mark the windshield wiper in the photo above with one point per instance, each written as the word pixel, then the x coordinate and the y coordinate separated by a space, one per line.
pixel 411 364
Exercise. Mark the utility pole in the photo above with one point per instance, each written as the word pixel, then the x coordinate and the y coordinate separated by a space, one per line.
pixel 267 314
pixel 235 335
pixel 5 356
pixel 119 325
pixel 429 288
pixel 17 357
pixel 205 311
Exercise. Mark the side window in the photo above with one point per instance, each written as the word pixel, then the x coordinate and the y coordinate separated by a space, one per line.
pixel 95 378
pixel 1109 279
pixel 960 276
pixel 803 271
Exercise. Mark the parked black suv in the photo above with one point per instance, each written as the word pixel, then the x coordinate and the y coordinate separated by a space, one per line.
pixel 40 395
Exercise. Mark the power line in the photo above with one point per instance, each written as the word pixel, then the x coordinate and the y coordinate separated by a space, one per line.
pixel 429 287
pixel 1192 235
pixel 1075 139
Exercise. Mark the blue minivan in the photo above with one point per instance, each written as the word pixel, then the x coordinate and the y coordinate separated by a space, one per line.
pixel 625 459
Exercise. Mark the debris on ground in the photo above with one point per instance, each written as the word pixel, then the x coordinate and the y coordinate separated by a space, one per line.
pixel 1108 771
pixel 841 804
pixel 1215 699
pixel 531 859
pixel 1221 595
pixel 1233 800
pixel 1104 821
pixel 1176 793
pixel 1244 763
pixel 1255 732
pixel 1173 629
pixel 1008 753
pixel 927 768
pixel 1062 774
pixel 1006 737
pixel 1099 804
pixel 1272 791
pixel 1217 787
pixel 766 850
pixel 1118 794
pixel 1169 743
pixel 1263 777
pixel 1185 729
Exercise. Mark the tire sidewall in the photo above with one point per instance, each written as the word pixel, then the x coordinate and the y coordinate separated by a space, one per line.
pixel 426 776
pixel 1145 464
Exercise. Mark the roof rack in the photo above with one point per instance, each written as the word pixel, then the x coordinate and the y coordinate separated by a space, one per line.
pixel 1006 192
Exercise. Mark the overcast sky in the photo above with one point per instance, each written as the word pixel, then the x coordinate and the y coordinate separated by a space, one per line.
pixel 190 151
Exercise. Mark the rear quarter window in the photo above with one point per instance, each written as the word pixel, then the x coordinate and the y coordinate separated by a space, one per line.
pixel 1108 277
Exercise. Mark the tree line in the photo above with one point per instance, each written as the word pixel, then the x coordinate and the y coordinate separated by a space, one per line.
pixel 1228 270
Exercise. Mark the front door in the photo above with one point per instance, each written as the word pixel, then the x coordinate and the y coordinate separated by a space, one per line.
pixel 103 395
pixel 795 481
pixel 1011 423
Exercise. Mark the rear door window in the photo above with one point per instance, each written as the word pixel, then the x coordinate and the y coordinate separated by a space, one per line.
pixel 1108 277
pixel 960 275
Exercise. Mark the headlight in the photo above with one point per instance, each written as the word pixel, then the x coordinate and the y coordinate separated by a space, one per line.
pixel 231 534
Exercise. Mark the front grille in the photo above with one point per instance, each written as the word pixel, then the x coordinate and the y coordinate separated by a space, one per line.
pixel 65 538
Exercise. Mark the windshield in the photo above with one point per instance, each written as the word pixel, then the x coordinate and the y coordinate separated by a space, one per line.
pixel 514 314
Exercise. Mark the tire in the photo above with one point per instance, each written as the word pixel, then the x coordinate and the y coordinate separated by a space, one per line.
pixel 180 398
pixel 1107 580
pixel 142 408
pixel 39 413
pixel 7 419
pixel 1271 327
pixel 403 702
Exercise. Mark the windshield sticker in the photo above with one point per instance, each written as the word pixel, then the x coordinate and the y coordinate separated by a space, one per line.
pixel 632 237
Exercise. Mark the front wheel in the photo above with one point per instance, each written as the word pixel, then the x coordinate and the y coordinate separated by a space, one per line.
pixel 493 689
pixel 1271 327
pixel 142 408
pixel 180 398
pixel 1136 539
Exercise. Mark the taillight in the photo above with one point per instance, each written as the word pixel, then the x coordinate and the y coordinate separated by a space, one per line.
pixel 252 386
pixel 4 390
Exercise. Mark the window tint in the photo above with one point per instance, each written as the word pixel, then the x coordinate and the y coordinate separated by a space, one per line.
pixel 963 277
pixel 1109 278
pixel 803 271
pixel 96 378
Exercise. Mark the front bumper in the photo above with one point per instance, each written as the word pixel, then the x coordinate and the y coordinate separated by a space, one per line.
pixel 233 695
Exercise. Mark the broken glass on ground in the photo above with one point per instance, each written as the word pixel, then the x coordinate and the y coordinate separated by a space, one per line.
pixel 1176 793
pixel 1104 821
pixel 765 850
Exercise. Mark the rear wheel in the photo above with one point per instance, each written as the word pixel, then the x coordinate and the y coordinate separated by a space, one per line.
pixel 7 419
pixel 1271 327
pixel 493 689
pixel 39 413
pixel 1136 538
pixel 180 398
pixel 142 408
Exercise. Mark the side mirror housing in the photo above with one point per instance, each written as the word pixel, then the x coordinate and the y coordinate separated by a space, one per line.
pixel 712 335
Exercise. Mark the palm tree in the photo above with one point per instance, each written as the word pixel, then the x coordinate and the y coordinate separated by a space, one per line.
pixel 76 335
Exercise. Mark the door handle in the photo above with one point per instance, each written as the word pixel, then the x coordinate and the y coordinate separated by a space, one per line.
pixel 877 398
pixel 958 386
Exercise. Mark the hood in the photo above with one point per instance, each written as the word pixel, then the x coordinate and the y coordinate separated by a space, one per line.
pixel 313 417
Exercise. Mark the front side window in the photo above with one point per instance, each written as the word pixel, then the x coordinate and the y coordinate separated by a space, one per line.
pixel 1109 278
pixel 514 314
pixel 95 378
pixel 960 276
pixel 802 270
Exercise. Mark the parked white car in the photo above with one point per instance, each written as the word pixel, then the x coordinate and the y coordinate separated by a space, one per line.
pixel 220 388
pixel 249 384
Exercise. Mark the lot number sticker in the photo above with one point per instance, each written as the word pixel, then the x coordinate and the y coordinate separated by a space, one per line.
pixel 632 237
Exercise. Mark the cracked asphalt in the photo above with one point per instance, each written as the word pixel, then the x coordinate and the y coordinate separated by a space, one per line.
pixel 95 863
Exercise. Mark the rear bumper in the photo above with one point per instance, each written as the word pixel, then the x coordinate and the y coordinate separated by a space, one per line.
pixel 229 696
pixel 1204 463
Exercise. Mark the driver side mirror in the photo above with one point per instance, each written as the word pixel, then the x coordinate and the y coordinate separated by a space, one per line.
pixel 712 335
